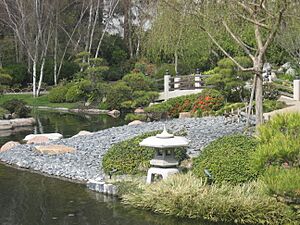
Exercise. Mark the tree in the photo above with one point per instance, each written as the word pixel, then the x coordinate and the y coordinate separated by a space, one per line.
pixel 263 17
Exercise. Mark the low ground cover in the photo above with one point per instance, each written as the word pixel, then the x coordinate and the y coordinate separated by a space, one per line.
pixel 39 101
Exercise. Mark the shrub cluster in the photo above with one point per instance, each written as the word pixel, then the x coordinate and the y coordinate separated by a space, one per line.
pixel 204 103
pixel 128 157
pixel 17 106
pixel 227 159
pixel 278 155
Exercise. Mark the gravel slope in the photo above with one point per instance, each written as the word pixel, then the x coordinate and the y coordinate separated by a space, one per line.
pixel 85 163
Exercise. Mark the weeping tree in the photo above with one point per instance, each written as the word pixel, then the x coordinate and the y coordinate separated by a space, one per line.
pixel 175 35
pixel 262 18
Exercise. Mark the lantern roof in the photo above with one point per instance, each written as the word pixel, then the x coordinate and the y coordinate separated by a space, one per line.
pixel 165 140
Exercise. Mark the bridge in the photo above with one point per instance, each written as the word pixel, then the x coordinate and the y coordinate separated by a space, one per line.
pixel 182 85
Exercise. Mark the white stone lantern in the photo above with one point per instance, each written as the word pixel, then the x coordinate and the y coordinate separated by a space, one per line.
pixel 164 162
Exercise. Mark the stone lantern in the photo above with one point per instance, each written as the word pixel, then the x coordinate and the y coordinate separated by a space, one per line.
pixel 164 162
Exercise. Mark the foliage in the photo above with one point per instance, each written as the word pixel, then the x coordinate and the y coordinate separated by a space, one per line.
pixel 184 195
pixel 5 79
pixel 271 105
pixel 131 117
pixel 270 91
pixel 128 157
pixel 138 82
pixel 118 93
pixel 209 100
pixel 283 181
pixel 58 94
pixel 3 112
pixel 162 69
pixel 18 73
pixel 228 79
pixel 79 90
pixel 17 106
pixel 227 159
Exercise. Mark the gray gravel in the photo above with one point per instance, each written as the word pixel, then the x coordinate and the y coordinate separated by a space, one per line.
pixel 85 163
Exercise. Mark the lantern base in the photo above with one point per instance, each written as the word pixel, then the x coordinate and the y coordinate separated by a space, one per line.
pixel 164 172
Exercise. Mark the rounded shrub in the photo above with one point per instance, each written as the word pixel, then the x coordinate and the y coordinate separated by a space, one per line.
pixel 58 94
pixel 227 159
pixel 74 94
pixel 128 157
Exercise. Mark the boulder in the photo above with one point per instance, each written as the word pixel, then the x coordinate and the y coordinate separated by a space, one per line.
pixel 50 136
pixel 83 133
pixel 9 145
pixel 114 113
pixel 22 122
pixel 7 116
pixel 135 122
pixel 185 115
pixel 54 149
pixel 38 140
pixel 5 125
pixel 139 111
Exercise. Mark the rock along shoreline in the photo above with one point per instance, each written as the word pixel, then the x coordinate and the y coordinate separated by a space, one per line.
pixel 85 163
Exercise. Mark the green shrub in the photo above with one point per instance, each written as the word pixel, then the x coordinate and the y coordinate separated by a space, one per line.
pixel 74 94
pixel 271 105
pixel 162 70
pixel 128 157
pixel 143 98
pixel 118 93
pixel 228 107
pixel 227 159
pixel 279 150
pixel 58 94
pixel 18 72
pixel 3 112
pixel 17 106
pixel 138 82
pixel 189 197
pixel 283 181
pixel 287 124
pixel 131 117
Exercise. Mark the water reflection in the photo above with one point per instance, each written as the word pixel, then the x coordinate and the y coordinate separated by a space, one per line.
pixel 31 199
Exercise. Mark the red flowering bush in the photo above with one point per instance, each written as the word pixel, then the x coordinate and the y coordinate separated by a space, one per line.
pixel 209 100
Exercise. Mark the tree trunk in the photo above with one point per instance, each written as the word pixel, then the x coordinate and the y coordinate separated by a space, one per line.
pixel 259 99
pixel 34 78
pixel 41 77
pixel 176 62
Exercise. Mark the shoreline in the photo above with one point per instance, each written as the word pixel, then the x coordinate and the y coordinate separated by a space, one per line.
pixel 85 163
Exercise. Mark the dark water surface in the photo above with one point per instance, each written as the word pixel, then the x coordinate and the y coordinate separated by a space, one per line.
pixel 32 199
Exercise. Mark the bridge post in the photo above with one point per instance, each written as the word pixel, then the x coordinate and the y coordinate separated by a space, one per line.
pixel 297 90
pixel 167 85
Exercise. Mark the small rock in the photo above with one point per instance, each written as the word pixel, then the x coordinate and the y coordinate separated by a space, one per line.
pixel 7 116
pixel 51 136
pixel 38 140
pixel 54 149
pixel 139 111
pixel 184 115
pixel 83 133
pixel 9 145
pixel 135 122
pixel 114 113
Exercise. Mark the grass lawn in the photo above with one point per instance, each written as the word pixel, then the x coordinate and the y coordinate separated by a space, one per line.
pixel 39 101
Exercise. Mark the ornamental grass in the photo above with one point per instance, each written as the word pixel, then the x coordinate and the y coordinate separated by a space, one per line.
pixel 187 196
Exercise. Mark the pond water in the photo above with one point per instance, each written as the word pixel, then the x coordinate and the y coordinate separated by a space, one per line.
pixel 67 124
pixel 33 199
